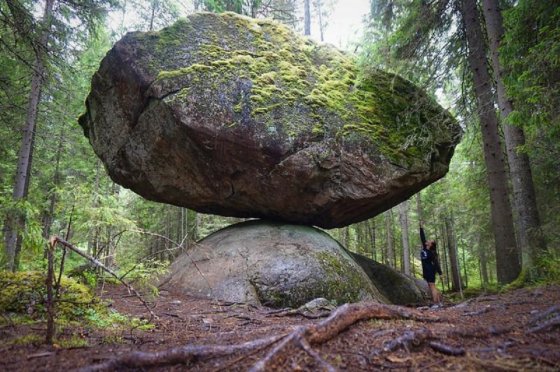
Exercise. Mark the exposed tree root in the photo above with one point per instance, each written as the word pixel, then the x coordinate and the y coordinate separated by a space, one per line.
pixel 178 355
pixel 548 325
pixel 545 320
pixel 302 337
pixel 342 318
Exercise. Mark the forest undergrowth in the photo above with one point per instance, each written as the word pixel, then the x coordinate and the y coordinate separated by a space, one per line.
pixel 514 330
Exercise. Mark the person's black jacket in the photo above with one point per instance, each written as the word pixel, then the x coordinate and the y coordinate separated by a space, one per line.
pixel 429 258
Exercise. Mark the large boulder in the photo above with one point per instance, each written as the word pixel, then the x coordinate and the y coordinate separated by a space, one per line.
pixel 272 264
pixel 240 117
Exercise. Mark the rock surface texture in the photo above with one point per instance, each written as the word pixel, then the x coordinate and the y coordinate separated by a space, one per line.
pixel 397 288
pixel 239 117
pixel 273 264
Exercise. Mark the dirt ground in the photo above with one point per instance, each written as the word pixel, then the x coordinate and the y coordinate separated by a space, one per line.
pixel 514 331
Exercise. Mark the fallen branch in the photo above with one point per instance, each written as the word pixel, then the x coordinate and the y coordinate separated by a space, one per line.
pixel 408 340
pixel 183 354
pixel 317 308
pixel 53 241
pixel 549 324
pixel 478 312
pixel 555 309
pixel 447 349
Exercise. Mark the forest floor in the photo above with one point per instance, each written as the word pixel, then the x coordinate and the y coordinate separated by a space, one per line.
pixel 519 330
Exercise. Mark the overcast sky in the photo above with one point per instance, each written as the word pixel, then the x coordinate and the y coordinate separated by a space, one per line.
pixel 344 24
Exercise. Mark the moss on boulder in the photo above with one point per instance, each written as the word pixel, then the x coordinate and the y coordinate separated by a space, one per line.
pixel 236 116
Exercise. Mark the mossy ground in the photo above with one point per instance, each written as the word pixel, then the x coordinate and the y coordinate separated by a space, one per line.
pixel 259 73
pixel 23 298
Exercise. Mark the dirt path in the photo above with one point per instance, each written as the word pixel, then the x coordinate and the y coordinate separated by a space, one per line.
pixel 514 331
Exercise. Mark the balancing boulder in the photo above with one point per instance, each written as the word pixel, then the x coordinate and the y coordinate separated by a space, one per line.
pixel 240 117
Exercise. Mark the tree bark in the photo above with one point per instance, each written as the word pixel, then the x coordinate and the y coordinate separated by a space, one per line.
pixel 507 260
pixel 452 249
pixel 48 215
pixel 443 252
pixel 307 18
pixel 531 238
pixel 372 234
pixel 15 221
pixel 318 5
pixel 403 217
pixel 483 262
pixel 390 256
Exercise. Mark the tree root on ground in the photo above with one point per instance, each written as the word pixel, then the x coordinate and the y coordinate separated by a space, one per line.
pixel 302 337
pixel 342 318
pixel 178 355
pixel 546 320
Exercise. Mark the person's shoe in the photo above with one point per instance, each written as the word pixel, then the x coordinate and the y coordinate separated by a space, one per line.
pixel 435 306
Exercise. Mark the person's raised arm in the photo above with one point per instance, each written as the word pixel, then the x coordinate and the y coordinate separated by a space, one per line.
pixel 422 236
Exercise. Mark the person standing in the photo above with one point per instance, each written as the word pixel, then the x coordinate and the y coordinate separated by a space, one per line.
pixel 430 266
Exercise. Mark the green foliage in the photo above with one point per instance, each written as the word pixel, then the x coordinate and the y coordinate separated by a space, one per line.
pixel 238 6
pixel 72 342
pixel 144 275
pixel 25 293
pixel 23 296
pixel 29 339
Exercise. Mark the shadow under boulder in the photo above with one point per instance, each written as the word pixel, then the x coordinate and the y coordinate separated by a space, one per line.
pixel 398 288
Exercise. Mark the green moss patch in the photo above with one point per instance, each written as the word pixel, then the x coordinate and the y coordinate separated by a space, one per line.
pixel 258 73
pixel 25 293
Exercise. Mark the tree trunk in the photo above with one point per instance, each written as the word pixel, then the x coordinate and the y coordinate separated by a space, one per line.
pixel 465 273
pixel 372 234
pixel 442 254
pixel 154 5
pixel 483 262
pixel 507 260
pixel 531 238
pixel 452 249
pixel 15 220
pixel 307 18
pixel 390 257
pixel 48 215
pixel 419 211
pixel 318 4
pixel 403 216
